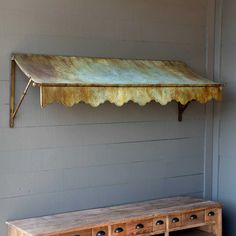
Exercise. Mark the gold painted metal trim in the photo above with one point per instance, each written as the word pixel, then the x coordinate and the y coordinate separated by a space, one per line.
pixel 13 110
pixel 12 92
pixel 119 96
pixel 22 98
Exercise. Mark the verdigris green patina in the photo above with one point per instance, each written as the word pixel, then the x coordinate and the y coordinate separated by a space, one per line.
pixel 70 80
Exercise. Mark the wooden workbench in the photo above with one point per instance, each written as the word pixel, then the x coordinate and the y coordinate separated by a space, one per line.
pixel 157 217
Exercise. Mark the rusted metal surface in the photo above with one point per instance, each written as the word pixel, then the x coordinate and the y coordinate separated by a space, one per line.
pixel 70 80
pixel 95 96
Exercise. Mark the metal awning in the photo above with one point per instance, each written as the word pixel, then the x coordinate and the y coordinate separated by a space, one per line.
pixel 70 80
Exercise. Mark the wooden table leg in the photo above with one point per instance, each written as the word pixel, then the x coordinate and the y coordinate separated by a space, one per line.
pixel 218 226
pixel 215 228
pixel 167 227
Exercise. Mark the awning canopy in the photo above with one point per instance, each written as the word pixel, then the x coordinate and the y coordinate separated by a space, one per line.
pixel 70 80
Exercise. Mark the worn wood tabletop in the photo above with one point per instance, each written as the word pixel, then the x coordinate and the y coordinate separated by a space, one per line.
pixel 110 215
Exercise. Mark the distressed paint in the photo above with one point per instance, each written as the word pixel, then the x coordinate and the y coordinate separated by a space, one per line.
pixel 70 80
pixel 95 96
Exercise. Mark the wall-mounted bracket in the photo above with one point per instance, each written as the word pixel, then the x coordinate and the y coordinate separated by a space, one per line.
pixel 181 109
pixel 13 109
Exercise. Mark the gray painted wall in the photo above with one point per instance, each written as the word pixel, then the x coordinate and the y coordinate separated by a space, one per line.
pixel 226 189
pixel 60 159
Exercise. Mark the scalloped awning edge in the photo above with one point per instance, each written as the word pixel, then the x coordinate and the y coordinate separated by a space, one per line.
pixel 119 96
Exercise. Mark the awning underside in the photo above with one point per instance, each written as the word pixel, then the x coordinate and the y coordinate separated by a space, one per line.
pixel 70 80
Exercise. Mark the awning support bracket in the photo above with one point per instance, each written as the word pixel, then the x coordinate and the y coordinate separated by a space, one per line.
pixel 181 109
pixel 14 109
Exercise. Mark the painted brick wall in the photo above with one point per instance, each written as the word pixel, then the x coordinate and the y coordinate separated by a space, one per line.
pixel 60 159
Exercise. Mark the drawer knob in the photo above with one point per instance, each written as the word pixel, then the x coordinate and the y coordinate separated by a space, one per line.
pixel 211 213
pixel 139 226
pixel 193 217
pixel 160 222
pixel 175 220
pixel 119 230
pixel 100 233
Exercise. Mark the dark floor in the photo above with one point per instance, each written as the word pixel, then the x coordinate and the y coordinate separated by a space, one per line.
pixel 191 232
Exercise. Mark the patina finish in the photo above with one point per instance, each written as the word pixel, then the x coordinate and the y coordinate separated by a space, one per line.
pixel 95 96
pixel 70 80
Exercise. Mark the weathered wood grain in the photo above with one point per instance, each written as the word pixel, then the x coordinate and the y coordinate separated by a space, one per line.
pixel 130 214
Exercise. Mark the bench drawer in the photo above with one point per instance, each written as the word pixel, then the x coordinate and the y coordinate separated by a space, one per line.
pixel 175 221
pixel 79 233
pixel 139 227
pixel 211 215
pixel 159 224
pixel 118 230
pixel 100 231
pixel 195 217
